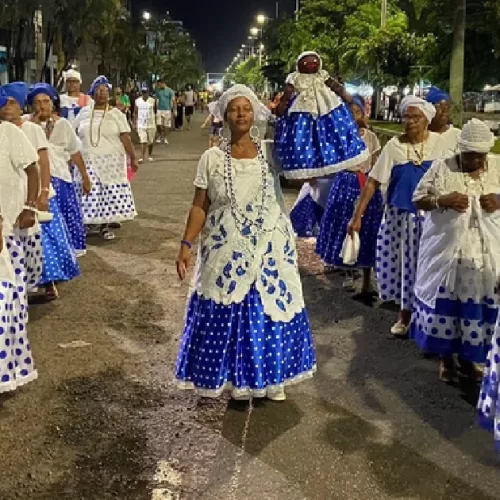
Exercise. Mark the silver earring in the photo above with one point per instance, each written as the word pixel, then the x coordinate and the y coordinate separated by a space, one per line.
pixel 255 133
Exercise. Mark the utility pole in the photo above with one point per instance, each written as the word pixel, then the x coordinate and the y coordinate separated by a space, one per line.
pixel 383 21
pixel 277 10
pixel 383 24
pixel 297 9
pixel 457 65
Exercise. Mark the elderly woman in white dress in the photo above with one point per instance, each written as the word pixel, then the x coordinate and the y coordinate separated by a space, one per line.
pixel 246 327
pixel 402 164
pixel 105 134
pixel 455 308
pixel 19 186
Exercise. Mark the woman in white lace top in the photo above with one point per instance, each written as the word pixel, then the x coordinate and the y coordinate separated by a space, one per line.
pixel 246 325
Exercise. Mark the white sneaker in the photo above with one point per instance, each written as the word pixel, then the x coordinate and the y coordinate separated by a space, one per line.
pixel 349 284
pixel 141 160
pixel 276 394
pixel 159 141
pixel 239 397
pixel 166 141
pixel 150 159
pixel 399 329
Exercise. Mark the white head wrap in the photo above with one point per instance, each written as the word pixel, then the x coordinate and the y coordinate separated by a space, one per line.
pixel 476 137
pixel 235 92
pixel 310 53
pixel 72 73
pixel 411 101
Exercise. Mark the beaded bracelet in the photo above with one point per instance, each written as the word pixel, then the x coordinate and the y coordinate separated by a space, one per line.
pixel 187 244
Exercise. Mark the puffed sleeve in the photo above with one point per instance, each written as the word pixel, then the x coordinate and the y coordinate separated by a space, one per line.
pixel 121 120
pixel 22 153
pixel 72 142
pixel 429 184
pixel 381 171
pixel 269 152
pixel 201 180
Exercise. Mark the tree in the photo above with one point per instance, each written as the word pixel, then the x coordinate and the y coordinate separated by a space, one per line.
pixel 248 73
pixel 457 65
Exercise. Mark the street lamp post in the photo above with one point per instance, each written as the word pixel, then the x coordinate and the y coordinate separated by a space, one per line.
pixel 146 15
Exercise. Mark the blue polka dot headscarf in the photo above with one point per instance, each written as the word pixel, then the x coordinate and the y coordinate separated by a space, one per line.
pixel 100 80
pixel 436 95
pixel 360 103
pixel 42 88
pixel 15 90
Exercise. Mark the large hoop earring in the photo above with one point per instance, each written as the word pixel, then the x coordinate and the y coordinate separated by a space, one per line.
pixel 255 133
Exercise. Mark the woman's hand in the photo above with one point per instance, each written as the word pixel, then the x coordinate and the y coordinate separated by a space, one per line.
pixel 43 201
pixel 86 184
pixel 134 165
pixel 354 226
pixel 456 201
pixel 26 219
pixel 489 203
pixel 183 261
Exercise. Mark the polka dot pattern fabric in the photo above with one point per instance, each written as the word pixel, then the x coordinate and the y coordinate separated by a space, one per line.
pixel 339 210
pixel 71 211
pixel 397 255
pixel 106 203
pixel 312 147
pixel 59 259
pixel 239 347
pixel 488 405
pixel 16 361
pixel 32 255
pixel 306 217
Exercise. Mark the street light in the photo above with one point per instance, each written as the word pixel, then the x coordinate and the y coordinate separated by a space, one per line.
pixel 254 31
pixel 261 19
pixel 146 15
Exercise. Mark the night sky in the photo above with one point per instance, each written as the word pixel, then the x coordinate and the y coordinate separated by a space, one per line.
pixel 219 27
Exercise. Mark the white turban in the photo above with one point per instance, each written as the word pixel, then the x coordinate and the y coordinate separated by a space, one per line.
pixel 476 137
pixel 72 73
pixel 411 101
pixel 235 92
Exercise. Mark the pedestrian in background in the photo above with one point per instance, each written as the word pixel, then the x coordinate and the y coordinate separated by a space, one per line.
pixel 122 102
pixel 179 116
pixel 72 102
pixel 165 105
pixel 144 123
pixel 189 103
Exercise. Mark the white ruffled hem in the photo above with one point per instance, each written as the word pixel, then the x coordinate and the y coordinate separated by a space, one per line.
pixel 15 384
pixel 241 392
pixel 311 173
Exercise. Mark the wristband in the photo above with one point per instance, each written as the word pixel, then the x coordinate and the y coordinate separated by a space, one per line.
pixel 30 209
pixel 45 190
pixel 187 244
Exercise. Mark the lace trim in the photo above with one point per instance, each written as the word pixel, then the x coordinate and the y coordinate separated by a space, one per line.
pixel 245 391
pixel 15 384
pixel 309 173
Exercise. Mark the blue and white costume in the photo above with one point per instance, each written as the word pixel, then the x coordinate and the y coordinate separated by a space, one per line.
pixel 455 307
pixel 16 361
pixel 400 167
pixel 317 136
pixel 71 106
pixel 246 325
pixel 63 143
pixel 309 207
pixel 345 192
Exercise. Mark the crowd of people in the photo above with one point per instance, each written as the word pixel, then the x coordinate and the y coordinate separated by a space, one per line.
pixel 423 212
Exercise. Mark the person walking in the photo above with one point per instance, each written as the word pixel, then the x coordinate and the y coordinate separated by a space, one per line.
pixel 72 102
pixel 179 116
pixel 165 104
pixel 189 104
pixel 144 123
pixel 246 327
pixel 105 135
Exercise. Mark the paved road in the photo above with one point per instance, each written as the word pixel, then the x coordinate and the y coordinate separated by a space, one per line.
pixel 104 421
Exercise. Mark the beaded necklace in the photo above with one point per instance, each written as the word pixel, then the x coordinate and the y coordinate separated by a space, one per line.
pixel 419 154
pixel 466 177
pixel 92 143
pixel 239 215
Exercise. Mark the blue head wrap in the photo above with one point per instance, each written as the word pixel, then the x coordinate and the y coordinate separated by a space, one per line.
pixel 3 99
pixel 100 80
pixel 42 88
pixel 436 95
pixel 360 103
pixel 15 90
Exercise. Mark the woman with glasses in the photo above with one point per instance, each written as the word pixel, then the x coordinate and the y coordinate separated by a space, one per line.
pixel 402 164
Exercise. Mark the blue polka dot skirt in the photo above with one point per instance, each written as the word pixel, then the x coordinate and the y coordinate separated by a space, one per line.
pixel 397 256
pixel 32 257
pixel 339 211
pixel 71 211
pixel 306 217
pixel 239 347
pixel 309 147
pixel 106 203
pixel 16 361
pixel 59 258
pixel 489 397
pixel 455 325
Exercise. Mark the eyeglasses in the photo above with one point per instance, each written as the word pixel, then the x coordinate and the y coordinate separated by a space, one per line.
pixel 413 118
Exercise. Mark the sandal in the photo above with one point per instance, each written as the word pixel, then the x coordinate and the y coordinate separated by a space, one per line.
pixel 399 329
pixel 107 234
pixel 469 370
pixel 51 293
pixel 447 371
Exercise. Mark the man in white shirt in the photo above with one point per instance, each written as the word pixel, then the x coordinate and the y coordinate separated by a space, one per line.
pixel 189 103
pixel 144 121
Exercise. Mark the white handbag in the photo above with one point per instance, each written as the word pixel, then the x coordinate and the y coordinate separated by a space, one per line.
pixel 350 249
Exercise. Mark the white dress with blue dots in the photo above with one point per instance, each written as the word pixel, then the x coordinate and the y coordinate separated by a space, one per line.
pixel 110 199
pixel 246 325
pixel 317 136
pixel 16 362
pixel 455 307
pixel 398 239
